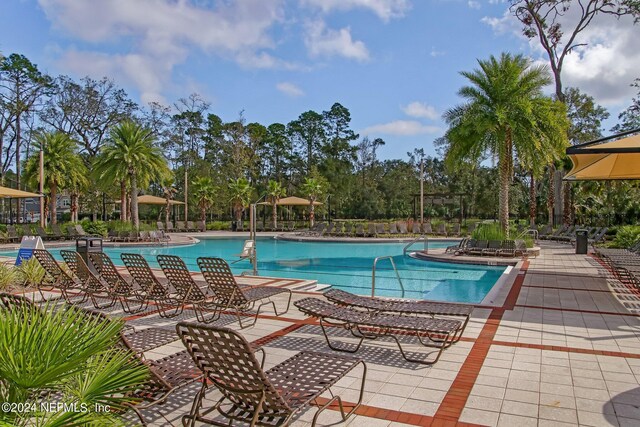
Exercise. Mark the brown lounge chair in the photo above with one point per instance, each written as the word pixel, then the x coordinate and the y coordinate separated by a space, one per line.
pixel 229 295
pixel 56 278
pixel 253 396
pixel 123 290
pixel 169 304
pixel 92 285
pixel 429 308
pixel 180 278
pixel 431 332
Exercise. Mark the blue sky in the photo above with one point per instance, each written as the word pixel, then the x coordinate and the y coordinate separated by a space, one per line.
pixel 394 63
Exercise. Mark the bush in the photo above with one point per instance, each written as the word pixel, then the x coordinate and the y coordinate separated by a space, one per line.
pixel 9 276
pixel 31 272
pixel 219 225
pixel 626 236
pixel 99 228
pixel 488 232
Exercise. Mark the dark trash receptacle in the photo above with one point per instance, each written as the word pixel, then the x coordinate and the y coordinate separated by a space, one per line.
pixel 234 226
pixel 87 245
pixel 582 242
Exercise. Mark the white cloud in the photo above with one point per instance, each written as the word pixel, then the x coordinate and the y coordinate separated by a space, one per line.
pixel 289 89
pixel 402 128
pixel 385 9
pixel 160 34
pixel 435 53
pixel 473 4
pixel 322 41
pixel 603 67
pixel 420 109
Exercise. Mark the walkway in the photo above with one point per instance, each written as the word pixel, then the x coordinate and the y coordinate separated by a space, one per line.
pixel 562 350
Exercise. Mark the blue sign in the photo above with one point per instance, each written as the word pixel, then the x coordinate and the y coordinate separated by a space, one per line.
pixel 23 255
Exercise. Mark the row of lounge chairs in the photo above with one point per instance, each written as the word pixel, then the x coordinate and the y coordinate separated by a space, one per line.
pixel 506 248
pixel 16 232
pixel 138 236
pixel 397 229
pixel 223 356
pixel 567 234
pixel 182 226
pixel 624 263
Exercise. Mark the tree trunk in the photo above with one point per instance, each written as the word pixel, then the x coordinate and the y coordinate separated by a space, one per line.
pixel 18 142
pixel 167 214
pixel 275 214
pixel 74 208
pixel 566 199
pixel 54 208
pixel 551 196
pixel 311 213
pixel 203 214
pixel 503 195
pixel 532 201
pixel 134 202
pixel 123 200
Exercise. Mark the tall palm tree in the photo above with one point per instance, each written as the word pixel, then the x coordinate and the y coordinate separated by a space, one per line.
pixel 275 191
pixel 507 115
pixel 63 167
pixel 131 153
pixel 313 188
pixel 240 195
pixel 204 192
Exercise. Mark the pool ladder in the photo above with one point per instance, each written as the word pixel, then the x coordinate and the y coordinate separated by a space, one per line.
pixel 422 238
pixel 373 274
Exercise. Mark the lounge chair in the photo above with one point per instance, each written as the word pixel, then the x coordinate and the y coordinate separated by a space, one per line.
pixel 478 248
pixel 55 228
pixel 426 228
pixel 393 229
pixel 91 284
pixel 169 304
pixel 329 230
pixel 43 233
pixel 12 235
pixel 380 230
pixel 431 332
pixel 455 229
pixel 72 232
pixel 371 232
pixel 442 229
pixel 471 228
pixel 180 278
pixel 229 295
pixel 124 291
pixel 169 227
pixel 180 226
pixel 201 226
pixel 56 278
pixel 493 248
pixel 402 228
pixel 191 226
pixel 508 248
pixel 251 395
pixel 521 248
pixel 429 308
pixel 456 248
pixel 348 229
pixel 81 231
pixel 415 228
pixel 359 232
pixel 11 301
pixel 26 230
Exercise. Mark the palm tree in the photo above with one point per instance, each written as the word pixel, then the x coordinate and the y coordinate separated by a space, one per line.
pixel 204 192
pixel 131 156
pixel 507 115
pixel 275 192
pixel 66 356
pixel 63 167
pixel 240 196
pixel 169 191
pixel 314 188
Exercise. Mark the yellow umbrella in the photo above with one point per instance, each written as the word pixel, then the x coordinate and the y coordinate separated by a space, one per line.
pixel 18 194
pixel 606 159
pixel 154 200
pixel 292 201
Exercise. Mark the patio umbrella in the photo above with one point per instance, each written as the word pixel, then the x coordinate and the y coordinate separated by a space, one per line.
pixel 292 201
pixel 154 200
pixel 7 192
pixel 611 158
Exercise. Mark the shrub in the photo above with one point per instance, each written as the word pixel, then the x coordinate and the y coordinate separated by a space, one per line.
pixel 9 276
pixel 31 272
pixel 626 236
pixel 219 225
pixel 99 228
pixel 488 232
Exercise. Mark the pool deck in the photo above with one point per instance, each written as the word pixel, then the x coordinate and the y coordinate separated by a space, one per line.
pixel 562 348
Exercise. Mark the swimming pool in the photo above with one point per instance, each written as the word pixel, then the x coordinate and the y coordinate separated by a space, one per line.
pixel 343 265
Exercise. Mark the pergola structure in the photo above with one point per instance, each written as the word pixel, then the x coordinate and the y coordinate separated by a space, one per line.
pixel 440 199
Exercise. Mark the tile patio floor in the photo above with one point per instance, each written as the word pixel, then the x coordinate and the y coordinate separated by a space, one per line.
pixel 563 350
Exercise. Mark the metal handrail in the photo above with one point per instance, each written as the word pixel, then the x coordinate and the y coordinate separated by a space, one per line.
pixel 533 232
pixel 373 274
pixel 417 239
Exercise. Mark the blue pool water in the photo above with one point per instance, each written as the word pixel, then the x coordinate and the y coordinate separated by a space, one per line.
pixel 344 265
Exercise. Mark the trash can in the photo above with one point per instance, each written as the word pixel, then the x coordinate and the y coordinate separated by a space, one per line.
pixel 234 226
pixel 582 241
pixel 87 245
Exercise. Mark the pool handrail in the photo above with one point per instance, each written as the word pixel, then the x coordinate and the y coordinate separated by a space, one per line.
pixel 373 274
pixel 417 239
